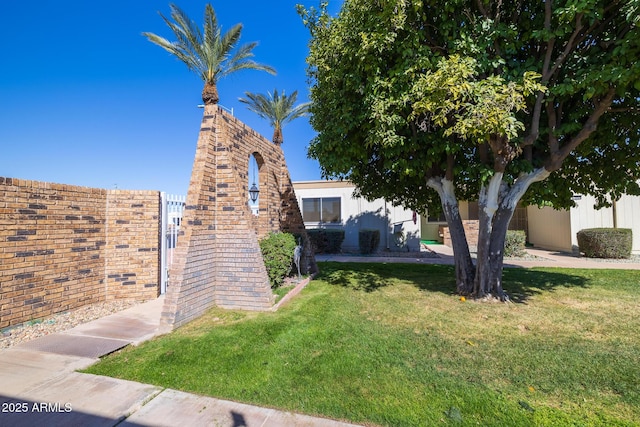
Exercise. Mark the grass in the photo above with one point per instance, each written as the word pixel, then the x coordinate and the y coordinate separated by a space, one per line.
pixel 390 344
pixel 283 290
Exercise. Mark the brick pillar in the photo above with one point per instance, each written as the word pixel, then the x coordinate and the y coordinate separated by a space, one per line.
pixel 218 259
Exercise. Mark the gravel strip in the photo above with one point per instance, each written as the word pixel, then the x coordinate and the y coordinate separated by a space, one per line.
pixel 15 335
pixel 634 259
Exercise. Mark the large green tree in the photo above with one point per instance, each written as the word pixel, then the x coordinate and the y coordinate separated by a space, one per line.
pixel 278 108
pixel 428 102
pixel 209 53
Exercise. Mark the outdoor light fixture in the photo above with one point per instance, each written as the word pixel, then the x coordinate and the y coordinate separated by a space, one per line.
pixel 254 192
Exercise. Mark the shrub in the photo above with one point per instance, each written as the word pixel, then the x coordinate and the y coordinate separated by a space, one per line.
pixel 605 242
pixel 334 239
pixel 326 240
pixel 277 252
pixel 317 240
pixel 368 241
pixel 514 243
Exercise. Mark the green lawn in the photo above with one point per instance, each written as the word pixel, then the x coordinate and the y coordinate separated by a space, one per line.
pixel 390 344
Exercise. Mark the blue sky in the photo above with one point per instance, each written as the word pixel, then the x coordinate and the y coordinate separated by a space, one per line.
pixel 85 99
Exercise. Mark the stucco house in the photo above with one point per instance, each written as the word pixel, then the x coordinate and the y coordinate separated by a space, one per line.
pixel 330 204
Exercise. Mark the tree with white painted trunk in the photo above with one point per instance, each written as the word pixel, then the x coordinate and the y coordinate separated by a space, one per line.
pixel 427 102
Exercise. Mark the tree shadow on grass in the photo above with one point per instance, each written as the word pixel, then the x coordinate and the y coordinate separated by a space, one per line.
pixel 369 277
pixel 359 279
pixel 520 284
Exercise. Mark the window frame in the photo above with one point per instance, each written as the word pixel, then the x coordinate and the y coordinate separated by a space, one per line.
pixel 319 215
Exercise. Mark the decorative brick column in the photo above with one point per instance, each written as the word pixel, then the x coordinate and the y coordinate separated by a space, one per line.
pixel 218 261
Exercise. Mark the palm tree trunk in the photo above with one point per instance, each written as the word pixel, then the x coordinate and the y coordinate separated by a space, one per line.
pixel 210 94
pixel 277 136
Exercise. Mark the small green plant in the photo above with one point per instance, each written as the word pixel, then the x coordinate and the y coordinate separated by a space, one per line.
pixel 514 243
pixel 277 252
pixel 368 241
pixel 605 242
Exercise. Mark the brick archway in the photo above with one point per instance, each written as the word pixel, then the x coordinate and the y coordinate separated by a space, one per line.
pixel 218 258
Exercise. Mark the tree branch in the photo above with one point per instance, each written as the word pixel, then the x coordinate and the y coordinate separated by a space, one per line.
pixel 623 110
pixel 534 131
pixel 556 158
pixel 535 122
pixel 550 43
pixel 567 49
pixel 552 140
pixel 451 161
pixel 482 9
pixel 503 152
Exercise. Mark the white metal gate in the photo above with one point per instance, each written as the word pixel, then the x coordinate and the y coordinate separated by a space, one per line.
pixel 172 208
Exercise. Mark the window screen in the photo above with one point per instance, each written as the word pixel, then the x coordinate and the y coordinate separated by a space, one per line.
pixel 325 209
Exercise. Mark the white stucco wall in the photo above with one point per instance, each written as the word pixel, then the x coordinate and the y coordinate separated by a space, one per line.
pixel 557 230
pixel 549 228
pixel 628 213
pixel 358 214
pixel 584 215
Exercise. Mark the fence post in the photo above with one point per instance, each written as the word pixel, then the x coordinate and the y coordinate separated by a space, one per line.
pixel 163 243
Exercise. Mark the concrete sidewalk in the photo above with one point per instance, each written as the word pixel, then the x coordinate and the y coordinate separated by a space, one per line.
pixel 40 386
pixel 444 255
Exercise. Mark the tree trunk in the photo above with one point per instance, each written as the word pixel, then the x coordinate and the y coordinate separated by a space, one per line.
pixel 491 254
pixel 464 267
pixel 497 205
pixel 210 94
pixel 465 270
pixel 496 249
pixel 488 205
pixel 277 136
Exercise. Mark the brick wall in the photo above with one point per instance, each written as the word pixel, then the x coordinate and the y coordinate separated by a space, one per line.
pixel 57 247
pixel 518 222
pixel 470 230
pixel 132 250
pixel 218 260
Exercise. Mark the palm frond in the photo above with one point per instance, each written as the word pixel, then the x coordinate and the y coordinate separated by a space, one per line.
pixel 279 109
pixel 240 61
pixel 208 53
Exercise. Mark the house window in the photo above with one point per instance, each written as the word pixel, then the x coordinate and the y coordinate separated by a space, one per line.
pixel 321 209
pixel 437 218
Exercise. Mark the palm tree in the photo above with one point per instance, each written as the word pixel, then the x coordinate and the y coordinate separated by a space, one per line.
pixel 276 108
pixel 209 54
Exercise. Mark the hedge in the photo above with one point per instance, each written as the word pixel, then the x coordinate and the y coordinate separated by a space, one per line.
pixel 605 242
pixel 326 240
pixel 514 243
pixel 368 241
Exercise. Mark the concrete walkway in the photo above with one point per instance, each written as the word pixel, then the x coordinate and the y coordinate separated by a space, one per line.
pixel 39 384
pixel 541 258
